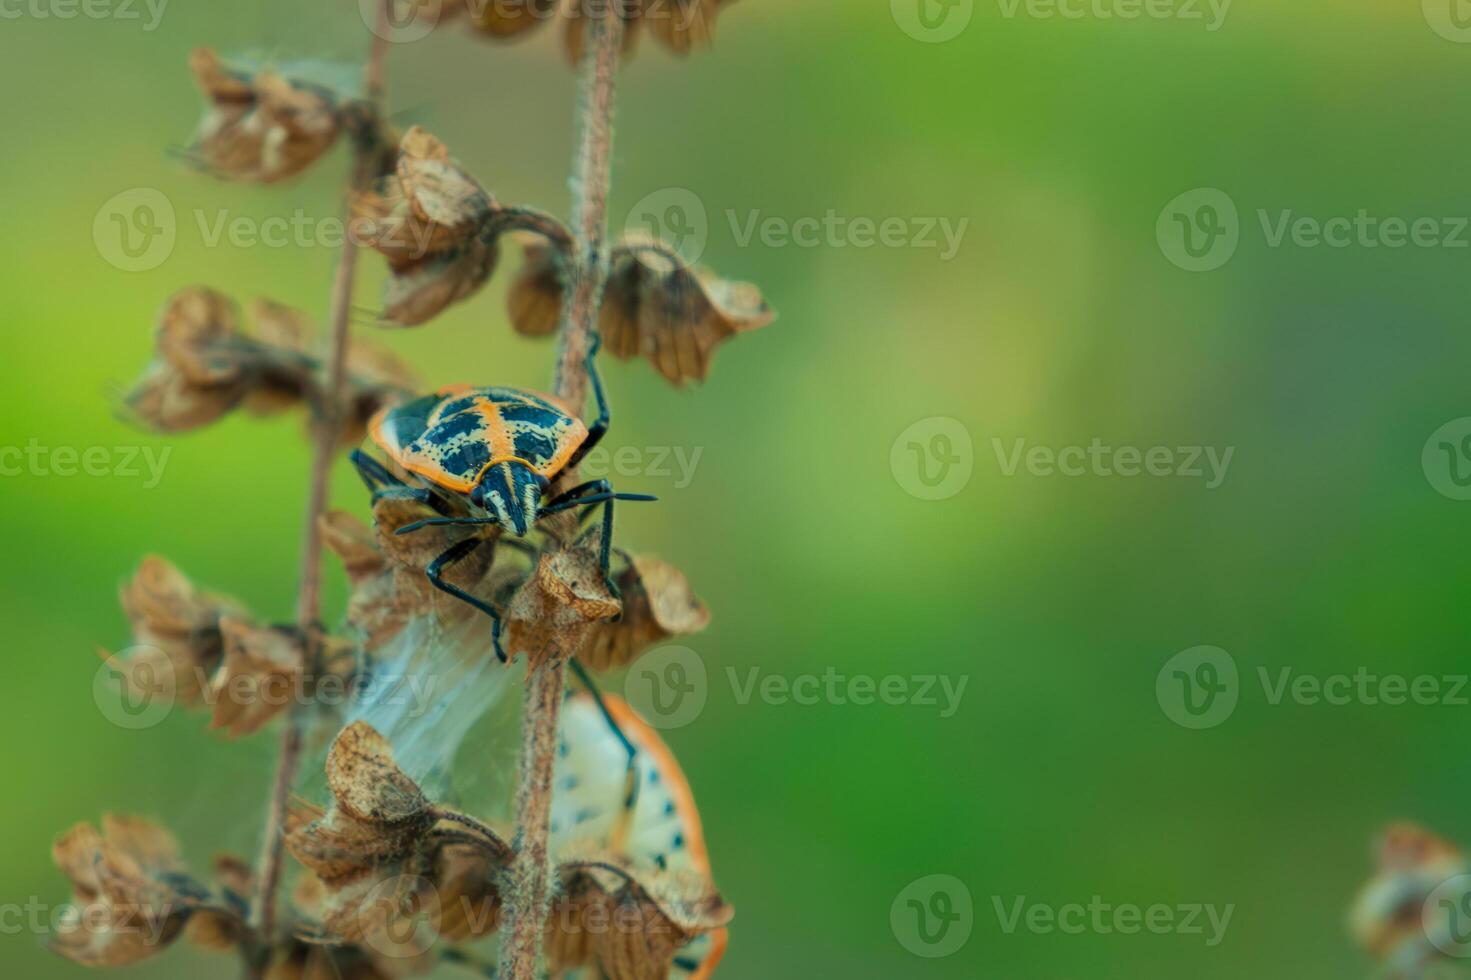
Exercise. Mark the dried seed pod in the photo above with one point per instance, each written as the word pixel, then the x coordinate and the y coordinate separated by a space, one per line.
pixel 681 25
pixel 383 848
pixel 260 128
pixel 206 366
pixel 262 668
pixel 552 613
pixel 656 306
pixel 132 895
pixel 1386 917
pixel 658 603
pixel 176 627
pixel 429 221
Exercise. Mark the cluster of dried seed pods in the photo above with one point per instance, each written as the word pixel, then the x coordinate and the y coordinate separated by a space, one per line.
pixel 632 896
pixel 1398 915
pixel 206 365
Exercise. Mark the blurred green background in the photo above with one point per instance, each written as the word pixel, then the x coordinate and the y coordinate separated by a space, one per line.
pixel 1060 320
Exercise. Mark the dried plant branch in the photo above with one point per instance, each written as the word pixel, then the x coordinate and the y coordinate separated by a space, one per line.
pixel 526 908
pixel 366 156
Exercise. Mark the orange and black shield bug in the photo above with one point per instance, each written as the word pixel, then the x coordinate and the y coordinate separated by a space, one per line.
pixel 493 452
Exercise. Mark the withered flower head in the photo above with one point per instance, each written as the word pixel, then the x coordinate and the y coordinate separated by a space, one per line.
pixel 132 895
pixel 658 603
pixel 384 852
pixel 554 610
pixel 656 306
pixel 176 630
pixel 260 127
pixel 1389 918
pixel 680 25
pixel 634 895
pixel 199 649
pixel 206 365
pixel 430 222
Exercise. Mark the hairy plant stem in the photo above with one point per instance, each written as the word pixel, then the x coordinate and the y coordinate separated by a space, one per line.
pixel 526 911
pixel 366 154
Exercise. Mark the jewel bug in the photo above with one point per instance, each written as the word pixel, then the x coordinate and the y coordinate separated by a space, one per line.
pixel 491 453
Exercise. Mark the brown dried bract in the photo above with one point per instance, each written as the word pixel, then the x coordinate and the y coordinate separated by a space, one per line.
pixel 656 306
pixel 132 897
pixel 176 632
pixel 658 603
pixel 261 670
pixel 260 128
pixel 680 25
pixel 430 221
pixel 631 921
pixel 206 366
pixel 384 849
pixel 554 610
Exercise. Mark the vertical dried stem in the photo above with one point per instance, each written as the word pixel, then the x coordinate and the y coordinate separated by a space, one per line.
pixel 328 431
pixel 526 912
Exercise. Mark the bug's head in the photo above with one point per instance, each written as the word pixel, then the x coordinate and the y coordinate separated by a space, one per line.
pixel 511 491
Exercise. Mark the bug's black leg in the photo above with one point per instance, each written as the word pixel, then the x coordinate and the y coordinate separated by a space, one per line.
pixel 605 496
pixel 631 781
pixel 374 474
pixel 446 522
pixel 455 554
pixel 382 483
pixel 599 428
